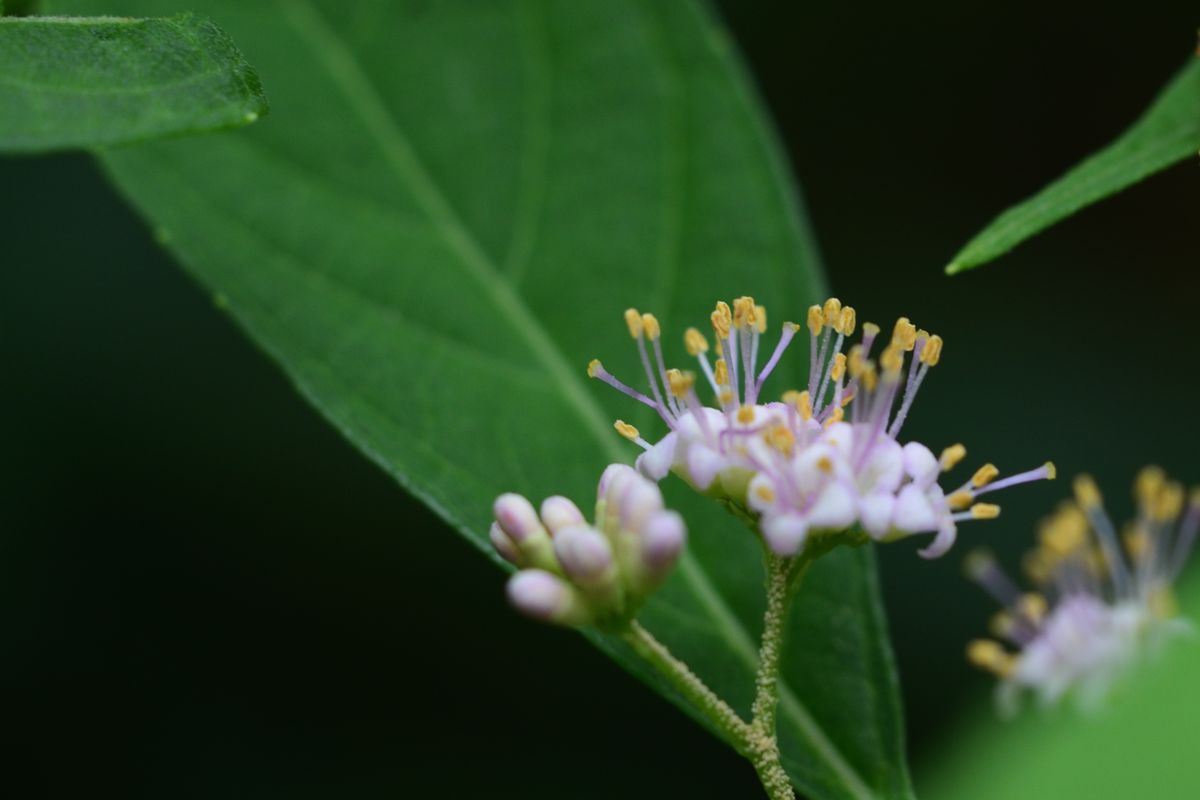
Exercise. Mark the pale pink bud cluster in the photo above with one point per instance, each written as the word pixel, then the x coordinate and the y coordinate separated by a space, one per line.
pixel 576 573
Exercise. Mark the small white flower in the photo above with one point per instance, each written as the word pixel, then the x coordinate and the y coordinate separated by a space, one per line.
pixel 1098 611
pixel 824 459
pixel 575 573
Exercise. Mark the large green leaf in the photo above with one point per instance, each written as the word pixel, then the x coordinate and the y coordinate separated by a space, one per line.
pixel 1141 744
pixel 440 224
pixel 83 82
pixel 1168 132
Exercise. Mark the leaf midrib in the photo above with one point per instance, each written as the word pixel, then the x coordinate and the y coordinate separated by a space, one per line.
pixel 307 21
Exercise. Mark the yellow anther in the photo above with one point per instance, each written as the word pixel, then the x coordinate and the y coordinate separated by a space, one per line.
pixel 932 352
pixel 816 319
pixel 1064 532
pixel 1033 607
pixel 984 475
pixel 804 405
pixel 847 321
pixel 979 563
pixel 634 320
pixel 951 456
pixel 1148 484
pixel 922 334
pixel 650 323
pixel 839 367
pixel 1169 504
pixel 1137 542
pixel 832 311
pixel 726 397
pixel 855 362
pixel 892 358
pixel 790 397
pixel 870 329
pixel 825 464
pixel 1002 624
pixel 793 327
pixel 1086 492
pixel 985 511
pixel 765 493
pixel 721 320
pixel 695 342
pixel 1037 567
pixel 760 319
pixel 960 500
pixel 989 655
pixel 745 415
pixel 837 416
pixel 869 377
pixel 721 373
pixel 781 439
pixel 1051 471
pixel 680 382
pixel 594 367
pixel 904 334
pixel 743 312
pixel 626 430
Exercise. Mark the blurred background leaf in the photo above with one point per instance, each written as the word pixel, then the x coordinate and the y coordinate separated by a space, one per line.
pixel 442 224
pixel 103 81
pixel 1167 133
pixel 1138 745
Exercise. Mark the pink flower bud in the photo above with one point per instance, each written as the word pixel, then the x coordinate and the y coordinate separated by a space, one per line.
pixel 785 533
pixel 663 538
pixel 505 546
pixel 516 516
pixel 538 594
pixel 558 512
pixel 584 555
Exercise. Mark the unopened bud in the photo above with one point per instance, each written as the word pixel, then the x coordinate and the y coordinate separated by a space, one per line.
pixel 663 538
pixel 641 499
pixel 538 594
pixel 516 516
pixel 504 545
pixel 585 556
pixel 785 533
pixel 558 512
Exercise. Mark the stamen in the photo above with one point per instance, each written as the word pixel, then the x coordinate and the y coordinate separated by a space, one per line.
pixel 951 456
pixel 990 655
pixel 1046 472
pixel 1088 497
pixel 960 500
pixel 596 370
pixel 981 567
pixel 984 475
pixel 785 338
pixel 695 342
pixel 631 433
pixel 634 320
pixel 870 331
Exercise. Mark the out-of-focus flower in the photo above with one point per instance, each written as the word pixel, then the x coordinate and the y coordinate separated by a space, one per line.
pixel 820 460
pixel 576 573
pixel 1102 603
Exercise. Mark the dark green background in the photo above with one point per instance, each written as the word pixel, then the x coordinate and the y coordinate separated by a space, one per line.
pixel 205 592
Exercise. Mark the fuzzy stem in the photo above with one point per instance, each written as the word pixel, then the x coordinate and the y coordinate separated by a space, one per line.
pixel 679 675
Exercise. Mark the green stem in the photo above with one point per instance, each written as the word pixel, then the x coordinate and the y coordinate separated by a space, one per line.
pixel 782 574
pixel 716 710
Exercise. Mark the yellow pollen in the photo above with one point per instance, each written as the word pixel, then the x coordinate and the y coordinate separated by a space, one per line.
pixel 959 500
pixel 680 382
pixel 650 323
pixel 985 511
pixel 760 319
pixel 932 353
pixel 1086 492
pixel 1051 471
pixel 793 327
pixel 1170 503
pixel 594 367
pixel 904 334
pixel 726 397
pixel 825 464
pixel 1137 542
pixel 869 377
pixel 765 493
pixel 984 475
pixel 839 367
pixel 837 416
pixel 1148 484
pixel 780 438
pixel 626 430
pixel 745 415
pixel 951 456
pixel 855 362
pixel 832 311
pixel 743 312
pixel 804 405
pixel 816 319
pixel 695 342
pixel 892 358
pixel 848 321
pixel 721 373
pixel 989 655
pixel 870 329
pixel 1032 606
pixel 634 320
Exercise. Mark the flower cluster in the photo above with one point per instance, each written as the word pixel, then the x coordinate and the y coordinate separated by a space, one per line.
pixel 821 459
pixel 573 573
pixel 1099 608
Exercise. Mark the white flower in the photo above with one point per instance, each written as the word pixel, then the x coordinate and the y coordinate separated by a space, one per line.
pixel 824 459
pixel 1099 611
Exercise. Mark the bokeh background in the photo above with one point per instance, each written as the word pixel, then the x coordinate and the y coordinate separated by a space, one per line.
pixel 205 592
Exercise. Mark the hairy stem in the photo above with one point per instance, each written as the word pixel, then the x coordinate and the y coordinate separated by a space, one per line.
pixel 680 675
pixel 782 573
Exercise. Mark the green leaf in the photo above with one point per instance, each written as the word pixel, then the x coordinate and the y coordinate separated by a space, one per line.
pixel 443 220
pixel 1167 133
pixel 87 82
pixel 1139 745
